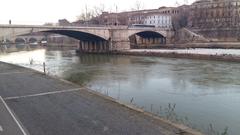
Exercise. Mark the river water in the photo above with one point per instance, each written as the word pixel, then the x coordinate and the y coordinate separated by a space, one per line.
pixel 202 94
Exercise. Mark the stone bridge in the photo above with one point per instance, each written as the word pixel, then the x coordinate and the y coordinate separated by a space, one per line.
pixel 95 39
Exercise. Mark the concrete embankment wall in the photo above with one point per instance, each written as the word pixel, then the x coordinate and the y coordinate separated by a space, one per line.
pixel 212 38
pixel 185 35
pixel 229 58
pixel 220 34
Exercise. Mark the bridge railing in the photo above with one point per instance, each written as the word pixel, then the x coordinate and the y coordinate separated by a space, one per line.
pixel 74 26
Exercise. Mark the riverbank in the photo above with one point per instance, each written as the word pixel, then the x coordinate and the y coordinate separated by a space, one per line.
pixel 47 105
pixel 231 56
pixel 209 45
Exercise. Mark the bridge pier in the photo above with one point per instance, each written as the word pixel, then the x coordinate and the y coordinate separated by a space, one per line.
pixel 93 47
pixel 138 42
pixel 119 45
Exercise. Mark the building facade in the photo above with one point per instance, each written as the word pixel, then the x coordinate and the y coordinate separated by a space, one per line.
pixel 215 14
pixel 218 20
pixel 161 17
pixel 159 20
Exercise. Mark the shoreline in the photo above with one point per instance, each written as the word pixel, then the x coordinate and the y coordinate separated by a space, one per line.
pixel 207 45
pixel 222 57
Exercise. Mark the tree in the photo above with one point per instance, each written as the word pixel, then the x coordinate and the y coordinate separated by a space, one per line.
pixel 98 10
pixel 177 4
pixel 89 14
pixel 86 14
pixel 138 5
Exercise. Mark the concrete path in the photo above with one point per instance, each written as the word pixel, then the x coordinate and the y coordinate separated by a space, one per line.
pixel 47 106
pixel 9 125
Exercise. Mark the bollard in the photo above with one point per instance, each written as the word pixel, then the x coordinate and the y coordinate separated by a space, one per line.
pixel 44 68
pixel 151 108
pixel 131 101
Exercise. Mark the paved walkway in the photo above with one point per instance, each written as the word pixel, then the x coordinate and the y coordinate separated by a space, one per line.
pixel 9 125
pixel 47 106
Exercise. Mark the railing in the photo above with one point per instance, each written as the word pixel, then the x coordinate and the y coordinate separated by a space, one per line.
pixel 72 26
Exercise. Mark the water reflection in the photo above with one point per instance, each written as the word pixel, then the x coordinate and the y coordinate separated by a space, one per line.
pixel 201 92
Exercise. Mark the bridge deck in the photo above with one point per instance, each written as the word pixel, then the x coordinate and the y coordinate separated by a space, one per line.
pixel 48 106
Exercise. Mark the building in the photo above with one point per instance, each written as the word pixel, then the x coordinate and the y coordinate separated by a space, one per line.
pixel 159 20
pixel 163 15
pixel 216 19
pixel 63 22
pixel 215 14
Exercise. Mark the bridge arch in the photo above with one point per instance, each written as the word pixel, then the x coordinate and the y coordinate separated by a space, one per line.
pixel 20 41
pixel 7 41
pixel 88 42
pixel 147 32
pixel 32 40
pixel 82 36
pixel 147 39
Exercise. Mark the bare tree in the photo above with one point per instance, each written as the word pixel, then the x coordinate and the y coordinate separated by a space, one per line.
pixel 138 5
pixel 177 4
pixel 81 16
pixel 99 9
pixel 88 14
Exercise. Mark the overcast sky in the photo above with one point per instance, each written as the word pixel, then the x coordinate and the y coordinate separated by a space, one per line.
pixel 41 11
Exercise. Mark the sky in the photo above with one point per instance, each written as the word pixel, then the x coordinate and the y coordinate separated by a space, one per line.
pixel 37 12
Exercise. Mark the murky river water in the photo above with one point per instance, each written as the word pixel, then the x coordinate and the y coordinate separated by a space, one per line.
pixel 202 94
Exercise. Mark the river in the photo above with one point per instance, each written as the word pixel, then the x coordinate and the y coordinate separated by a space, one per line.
pixel 202 94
